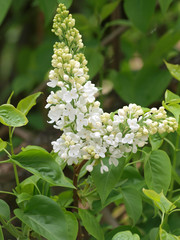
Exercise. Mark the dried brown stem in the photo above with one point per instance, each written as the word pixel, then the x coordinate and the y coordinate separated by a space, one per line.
pixel 114 34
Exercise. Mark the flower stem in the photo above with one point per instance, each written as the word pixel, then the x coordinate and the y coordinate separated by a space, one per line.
pixel 174 167
pixel 77 169
pixel 5 192
pixel 12 152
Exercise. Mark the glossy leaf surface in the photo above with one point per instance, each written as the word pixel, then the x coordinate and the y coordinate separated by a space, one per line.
pixel 10 116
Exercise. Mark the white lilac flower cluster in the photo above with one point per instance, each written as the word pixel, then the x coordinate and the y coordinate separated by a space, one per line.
pixel 88 132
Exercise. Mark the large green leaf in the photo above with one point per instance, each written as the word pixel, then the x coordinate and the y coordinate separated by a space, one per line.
pixel 91 224
pixel 45 217
pixel 4 210
pixel 157 171
pixel 105 182
pixel 174 69
pixel 48 8
pixel 138 87
pixel 164 4
pixel 140 12
pixel 10 116
pixel 27 103
pixel 126 235
pixel 4 6
pixel 133 202
pixel 39 162
pixel 160 200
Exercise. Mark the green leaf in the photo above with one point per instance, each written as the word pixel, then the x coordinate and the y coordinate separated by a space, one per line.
pixel 91 224
pixel 126 235
pixel 41 163
pixel 160 200
pixel 1 233
pixel 4 210
pixel 156 141
pixel 48 8
pixel 140 12
pixel 67 3
pixel 174 109
pixel 23 197
pixel 171 97
pixel 108 8
pixel 3 145
pixel 4 6
pixel 133 203
pixel 95 61
pixel 121 228
pixel 65 198
pixel 166 236
pixel 132 87
pixel 157 171
pixel 10 116
pixel 82 22
pixel 164 4
pixel 163 46
pixel 27 103
pixel 45 217
pixel 174 69
pixel 106 182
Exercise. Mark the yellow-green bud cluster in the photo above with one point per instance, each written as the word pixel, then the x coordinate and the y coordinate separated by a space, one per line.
pixel 63 27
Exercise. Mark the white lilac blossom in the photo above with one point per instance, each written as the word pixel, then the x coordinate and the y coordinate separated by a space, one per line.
pixel 88 132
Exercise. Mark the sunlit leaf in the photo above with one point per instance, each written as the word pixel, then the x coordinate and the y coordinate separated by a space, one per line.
pixel 171 97
pixel 27 103
pixel 10 116
pixel 166 236
pixel 3 144
pixel 174 69
pixel 126 235
pixel 160 200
